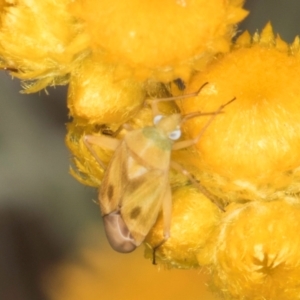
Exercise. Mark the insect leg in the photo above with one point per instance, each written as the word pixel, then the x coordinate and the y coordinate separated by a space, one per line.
pixel 167 214
pixel 125 126
pixel 188 143
pixel 202 189
pixel 102 141
pixel 154 103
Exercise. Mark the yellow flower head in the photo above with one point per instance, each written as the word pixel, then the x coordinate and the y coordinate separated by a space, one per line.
pixel 257 252
pixel 87 170
pixel 41 40
pixel 251 151
pixel 249 155
pixel 162 40
pixel 97 97
pixel 194 218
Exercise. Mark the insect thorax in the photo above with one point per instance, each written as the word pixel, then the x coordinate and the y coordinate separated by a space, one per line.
pixel 158 138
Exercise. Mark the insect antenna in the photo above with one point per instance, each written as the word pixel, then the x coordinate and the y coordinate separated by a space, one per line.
pixel 213 114
pixel 194 94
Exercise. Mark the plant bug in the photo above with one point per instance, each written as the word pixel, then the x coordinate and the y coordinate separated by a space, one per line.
pixel 136 185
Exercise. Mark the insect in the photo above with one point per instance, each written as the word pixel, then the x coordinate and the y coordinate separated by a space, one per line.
pixel 135 186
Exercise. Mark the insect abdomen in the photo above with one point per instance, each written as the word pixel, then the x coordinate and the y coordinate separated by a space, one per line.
pixel 117 233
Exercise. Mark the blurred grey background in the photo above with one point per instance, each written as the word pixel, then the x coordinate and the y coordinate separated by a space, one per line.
pixel 42 208
pixel 283 14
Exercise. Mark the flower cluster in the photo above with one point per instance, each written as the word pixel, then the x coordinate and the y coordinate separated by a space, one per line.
pixel 116 54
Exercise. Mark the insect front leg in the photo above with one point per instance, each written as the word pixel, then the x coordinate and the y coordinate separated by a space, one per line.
pixel 195 140
pixel 202 189
pixel 125 126
pixel 167 214
pixel 101 141
pixel 154 103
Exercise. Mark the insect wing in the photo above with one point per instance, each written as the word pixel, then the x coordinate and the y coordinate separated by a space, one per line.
pixel 142 202
pixel 114 181
pixel 133 188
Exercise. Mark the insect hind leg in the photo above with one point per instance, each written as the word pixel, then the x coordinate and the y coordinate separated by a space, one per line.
pixel 167 214
pixel 201 188
pixel 154 249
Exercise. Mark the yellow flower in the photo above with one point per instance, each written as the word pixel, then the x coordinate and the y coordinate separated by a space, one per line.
pixel 135 37
pixel 86 168
pixel 251 151
pixel 96 96
pixel 257 252
pixel 194 218
pixel 41 41
pixel 161 40
pixel 112 52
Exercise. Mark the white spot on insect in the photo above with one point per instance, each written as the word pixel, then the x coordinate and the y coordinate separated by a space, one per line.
pixel 136 169
pixel 156 119
pixel 175 134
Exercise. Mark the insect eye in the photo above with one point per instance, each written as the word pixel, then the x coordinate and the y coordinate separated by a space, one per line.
pixel 156 119
pixel 175 134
